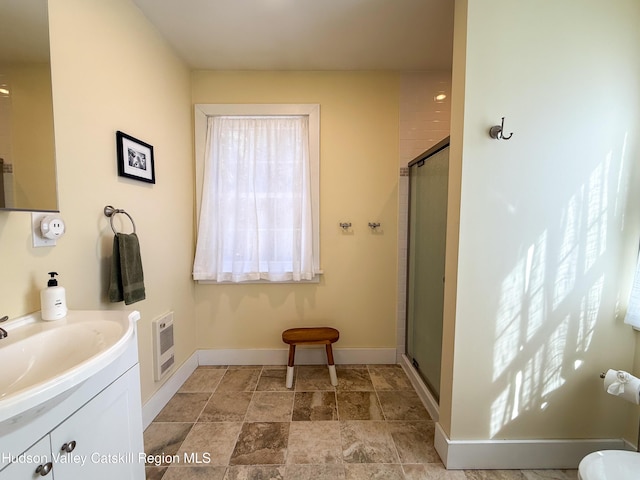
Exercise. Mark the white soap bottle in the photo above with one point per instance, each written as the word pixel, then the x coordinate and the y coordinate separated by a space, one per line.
pixel 53 302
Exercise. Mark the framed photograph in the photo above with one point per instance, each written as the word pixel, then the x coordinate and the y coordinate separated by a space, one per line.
pixel 135 158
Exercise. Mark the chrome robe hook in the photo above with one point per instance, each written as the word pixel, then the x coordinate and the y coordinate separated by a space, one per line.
pixel 497 132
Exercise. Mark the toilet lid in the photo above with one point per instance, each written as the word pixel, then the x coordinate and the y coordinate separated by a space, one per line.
pixel 610 465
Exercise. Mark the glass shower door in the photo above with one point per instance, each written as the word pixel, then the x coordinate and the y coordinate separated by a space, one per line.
pixel 428 179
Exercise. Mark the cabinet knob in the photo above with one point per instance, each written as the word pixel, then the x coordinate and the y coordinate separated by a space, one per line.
pixel 69 447
pixel 43 470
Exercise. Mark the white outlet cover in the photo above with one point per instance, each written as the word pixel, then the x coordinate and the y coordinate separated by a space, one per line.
pixel 36 233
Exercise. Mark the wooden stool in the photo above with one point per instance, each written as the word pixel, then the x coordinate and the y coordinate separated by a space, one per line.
pixel 311 336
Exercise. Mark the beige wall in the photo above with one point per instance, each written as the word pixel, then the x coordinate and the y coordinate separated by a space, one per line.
pixel 112 72
pixel 458 78
pixel 548 220
pixel 359 180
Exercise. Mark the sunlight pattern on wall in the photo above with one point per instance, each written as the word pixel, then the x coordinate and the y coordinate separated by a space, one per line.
pixel 596 241
pixel 540 335
pixel 569 249
pixel 553 351
pixel 521 304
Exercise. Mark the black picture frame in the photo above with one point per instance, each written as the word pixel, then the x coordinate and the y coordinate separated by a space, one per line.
pixel 135 158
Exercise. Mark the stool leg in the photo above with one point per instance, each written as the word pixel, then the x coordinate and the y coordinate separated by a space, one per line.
pixel 332 367
pixel 289 377
pixel 292 354
pixel 333 375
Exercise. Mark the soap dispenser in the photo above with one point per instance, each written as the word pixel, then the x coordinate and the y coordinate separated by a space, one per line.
pixel 53 302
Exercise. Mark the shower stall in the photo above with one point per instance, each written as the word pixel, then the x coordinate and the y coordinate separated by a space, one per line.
pixel 1 183
pixel 428 180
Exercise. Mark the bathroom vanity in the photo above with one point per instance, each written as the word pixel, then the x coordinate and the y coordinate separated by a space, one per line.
pixel 71 408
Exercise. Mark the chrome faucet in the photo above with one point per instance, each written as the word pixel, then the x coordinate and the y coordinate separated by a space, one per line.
pixel 3 332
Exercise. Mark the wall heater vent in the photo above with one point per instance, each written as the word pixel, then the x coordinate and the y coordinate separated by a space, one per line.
pixel 163 346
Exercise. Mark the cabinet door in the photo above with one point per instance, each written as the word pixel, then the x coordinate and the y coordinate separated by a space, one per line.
pixel 103 440
pixel 24 466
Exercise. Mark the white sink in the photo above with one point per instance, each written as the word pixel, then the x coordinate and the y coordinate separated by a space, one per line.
pixel 41 362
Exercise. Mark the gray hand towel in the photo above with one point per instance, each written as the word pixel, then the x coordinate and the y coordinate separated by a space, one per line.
pixel 127 279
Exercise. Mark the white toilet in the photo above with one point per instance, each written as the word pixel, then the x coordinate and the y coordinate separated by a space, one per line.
pixel 610 465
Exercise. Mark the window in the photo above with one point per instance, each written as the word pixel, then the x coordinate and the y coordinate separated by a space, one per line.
pixel 257 187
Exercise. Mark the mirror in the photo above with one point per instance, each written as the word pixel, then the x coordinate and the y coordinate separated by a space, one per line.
pixel 27 151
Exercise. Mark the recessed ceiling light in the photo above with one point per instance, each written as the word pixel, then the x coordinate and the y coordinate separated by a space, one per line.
pixel 440 97
pixel 4 91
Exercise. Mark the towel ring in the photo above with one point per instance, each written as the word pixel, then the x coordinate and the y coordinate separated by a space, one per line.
pixel 111 212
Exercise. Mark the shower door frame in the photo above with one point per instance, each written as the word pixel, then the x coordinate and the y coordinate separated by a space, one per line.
pixel 419 160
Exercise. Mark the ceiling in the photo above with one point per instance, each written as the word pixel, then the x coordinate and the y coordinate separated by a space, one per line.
pixel 405 35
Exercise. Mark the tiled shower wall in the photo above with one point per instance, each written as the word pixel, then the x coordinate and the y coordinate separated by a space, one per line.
pixel 424 121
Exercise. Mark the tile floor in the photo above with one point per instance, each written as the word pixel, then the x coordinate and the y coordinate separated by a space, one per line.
pixel 241 423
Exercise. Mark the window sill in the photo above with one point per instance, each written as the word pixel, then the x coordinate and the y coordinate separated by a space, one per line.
pixel 315 279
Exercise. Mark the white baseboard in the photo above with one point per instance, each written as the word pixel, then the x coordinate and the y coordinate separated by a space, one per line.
pixel 304 356
pixel 168 389
pixel 518 454
pixel 428 400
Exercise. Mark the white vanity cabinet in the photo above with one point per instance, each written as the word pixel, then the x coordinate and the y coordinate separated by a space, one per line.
pixel 37 458
pixel 94 433
pixel 101 441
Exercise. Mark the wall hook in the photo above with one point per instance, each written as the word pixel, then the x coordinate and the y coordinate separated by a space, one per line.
pixel 345 225
pixel 374 225
pixel 497 132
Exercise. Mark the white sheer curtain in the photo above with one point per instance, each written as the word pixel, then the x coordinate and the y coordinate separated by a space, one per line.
pixel 255 216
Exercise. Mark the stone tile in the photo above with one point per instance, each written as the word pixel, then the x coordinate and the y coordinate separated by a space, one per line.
pixel 261 443
pixel 273 379
pixel 162 439
pixel 373 471
pixel 550 474
pixel 391 377
pixel 256 472
pixel 315 472
pixel 313 406
pixel 154 473
pixel 270 407
pixel 314 443
pixel 203 379
pixel 353 379
pixel 414 441
pixel 183 407
pixel 494 475
pixel 214 439
pixel 312 378
pixel 402 405
pixel 226 407
pixel 239 380
pixel 367 442
pixel 195 473
pixel 359 406
pixel 431 471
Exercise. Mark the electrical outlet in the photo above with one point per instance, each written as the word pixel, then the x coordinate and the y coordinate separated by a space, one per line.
pixel 52 226
pixel 36 232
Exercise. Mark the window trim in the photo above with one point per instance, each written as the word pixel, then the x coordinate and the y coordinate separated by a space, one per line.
pixel 204 110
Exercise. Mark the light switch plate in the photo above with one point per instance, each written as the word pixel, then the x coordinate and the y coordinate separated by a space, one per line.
pixel 36 234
